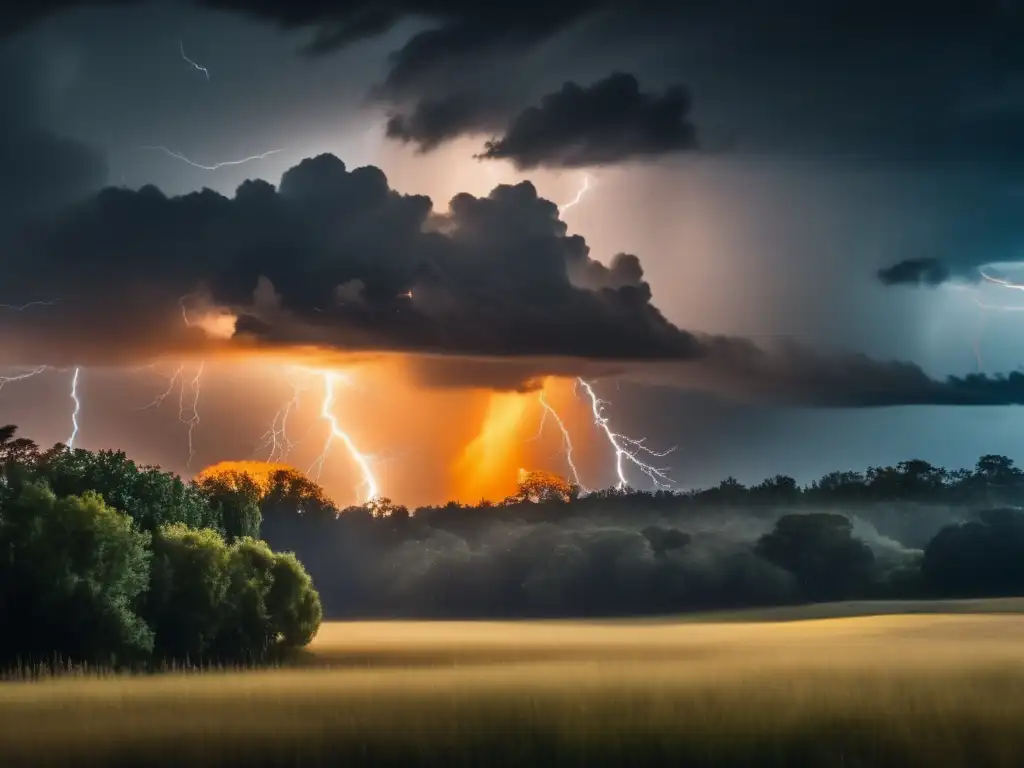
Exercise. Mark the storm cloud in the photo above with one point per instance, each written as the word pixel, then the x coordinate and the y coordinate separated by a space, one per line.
pixel 920 271
pixel 435 121
pixel 607 122
pixel 42 171
pixel 493 292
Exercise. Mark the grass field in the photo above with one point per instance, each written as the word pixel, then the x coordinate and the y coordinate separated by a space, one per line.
pixel 913 688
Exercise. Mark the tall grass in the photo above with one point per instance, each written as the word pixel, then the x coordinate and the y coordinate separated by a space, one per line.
pixel 884 691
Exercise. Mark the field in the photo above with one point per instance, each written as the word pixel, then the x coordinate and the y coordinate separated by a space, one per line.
pixel 926 685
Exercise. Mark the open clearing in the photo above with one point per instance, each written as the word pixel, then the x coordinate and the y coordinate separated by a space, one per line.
pixel 902 689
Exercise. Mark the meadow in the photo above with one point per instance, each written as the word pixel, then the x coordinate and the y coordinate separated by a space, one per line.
pixel 856 684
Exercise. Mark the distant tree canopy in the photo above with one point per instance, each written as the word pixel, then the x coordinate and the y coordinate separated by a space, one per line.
pixel 822 554
pixel 496 555
pixel 106 561
pixel 171 570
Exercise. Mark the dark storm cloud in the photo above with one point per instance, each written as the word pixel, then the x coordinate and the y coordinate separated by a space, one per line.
pixel 39 170
pixel 435 121
pixel 920 271
pixel 340 250
pixel 979 232
pixel 607 122
pixel 896 80
pixel 500 293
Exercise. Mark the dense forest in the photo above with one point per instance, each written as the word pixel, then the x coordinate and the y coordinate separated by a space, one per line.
pixel 104 560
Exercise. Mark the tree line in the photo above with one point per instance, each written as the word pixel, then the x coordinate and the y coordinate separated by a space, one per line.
pixel 104 560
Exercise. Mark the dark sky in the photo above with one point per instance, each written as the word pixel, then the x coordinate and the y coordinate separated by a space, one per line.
pixel 768 163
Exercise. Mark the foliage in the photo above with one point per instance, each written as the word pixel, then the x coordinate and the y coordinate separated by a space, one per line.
pixel 235 499
pixel 982 557
pixel 228 603
pixel 71 572
pixel 820 551
pixel 151 497
pixel 103 560
pixel 271 602
pixel 188 589
pixel 538 487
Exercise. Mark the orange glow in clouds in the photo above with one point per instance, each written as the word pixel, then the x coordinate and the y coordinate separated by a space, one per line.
pixel 487 468
pixel 368 428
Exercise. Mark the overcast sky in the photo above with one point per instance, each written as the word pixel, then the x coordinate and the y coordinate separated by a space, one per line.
pixel 763 161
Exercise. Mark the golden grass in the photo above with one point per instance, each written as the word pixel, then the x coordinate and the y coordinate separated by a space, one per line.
pixel 923 690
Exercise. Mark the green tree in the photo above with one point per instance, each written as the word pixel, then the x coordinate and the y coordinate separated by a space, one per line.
pixel 72 570
pixel 293 605
pixel 151 497
pixel 271 605
pixel 188 590
pixel 235 498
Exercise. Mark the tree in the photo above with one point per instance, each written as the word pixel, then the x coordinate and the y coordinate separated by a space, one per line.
pixel 188 590
pixel 151 497
pixel 539 487
pixel 270 606
pixel 15 450
pixel 382 507
pixel 821 553
pixel 663 540
pixel 292 603
pixel 778 490
pixel 289 492
pixel 235 498
pixel 983 558
pixel 72 570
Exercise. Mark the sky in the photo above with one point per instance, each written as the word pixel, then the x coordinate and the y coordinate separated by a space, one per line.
pixel 794 250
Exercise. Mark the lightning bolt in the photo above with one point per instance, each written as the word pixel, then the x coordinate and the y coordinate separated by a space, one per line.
pixel 580 193
pixel 4 380
pixel 620 442
pixel 984 307
pixel 566 439
pixel 276 438
pixel 193 420
pixel 78 408
pixel 30 304
pixel 215 166
pixel 175 378
pixel 335 432
pixel 1001 281
pixel 204 70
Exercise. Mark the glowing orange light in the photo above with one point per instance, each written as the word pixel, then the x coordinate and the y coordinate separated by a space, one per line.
pixel 486 468
pixel 259 472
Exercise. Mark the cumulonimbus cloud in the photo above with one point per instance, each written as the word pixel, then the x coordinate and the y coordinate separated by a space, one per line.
pixel 492 292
